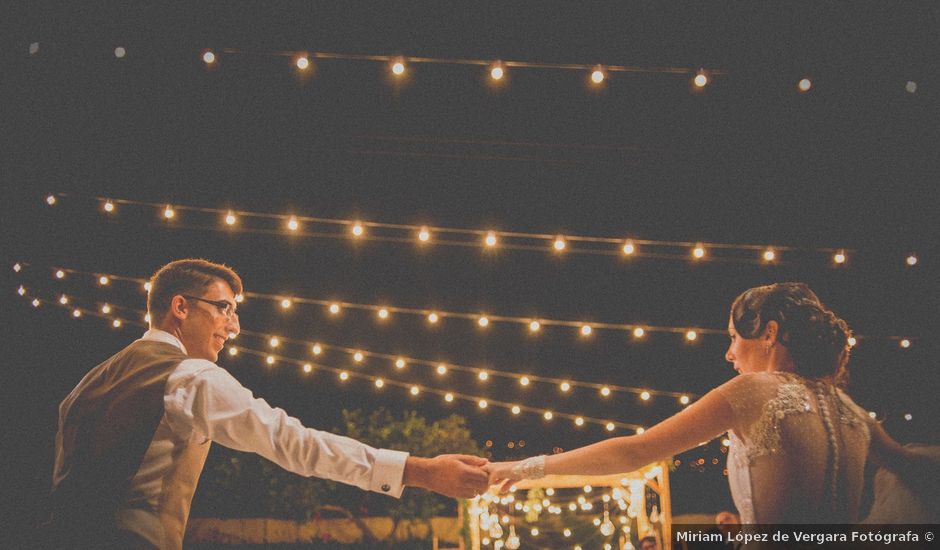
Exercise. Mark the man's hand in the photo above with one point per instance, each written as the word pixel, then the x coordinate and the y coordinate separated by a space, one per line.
pixel 455 476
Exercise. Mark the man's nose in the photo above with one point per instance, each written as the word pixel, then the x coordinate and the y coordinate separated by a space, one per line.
pixel 232 326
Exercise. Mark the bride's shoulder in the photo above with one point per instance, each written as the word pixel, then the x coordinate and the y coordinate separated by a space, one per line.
pixel 745 391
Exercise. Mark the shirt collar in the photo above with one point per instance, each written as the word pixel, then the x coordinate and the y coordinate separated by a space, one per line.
pixel 157 335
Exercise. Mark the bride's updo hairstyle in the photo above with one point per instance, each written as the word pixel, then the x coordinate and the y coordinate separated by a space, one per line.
pixel 818 340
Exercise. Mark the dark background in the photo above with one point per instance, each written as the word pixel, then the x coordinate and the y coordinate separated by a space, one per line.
pixel 852 163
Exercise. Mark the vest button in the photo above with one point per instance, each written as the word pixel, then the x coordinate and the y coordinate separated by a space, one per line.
pixel 386 487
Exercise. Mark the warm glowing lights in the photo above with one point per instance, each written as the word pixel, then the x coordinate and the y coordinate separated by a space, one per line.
pixel 120 52
pixel 50 200
pixel 698 252
pixel 285 303
pixel 77 313
pixel 548 415
pixel 230 218
pixel 839 257
pixel 725 442
pixel 534 326
pixel 911 260
pixel 645 395
pixel 274 342
pixel 398 67
pixel 433 318
pixel 379 383
pixel 559 244
pixel 317 349
pixel 63 299
pixel 769 255
pixel 905 343
pixel 598 75
pixel 168 212
pixel 639 431
pixel 269 360
pixel 483 375
pixel 910 86
pixel 35 302
pixel 579 421
pixel 60 274
pixel 383 313
pixel 21 290
pixel 804 84
pixel 208 57
pixel 691 335
pixel 303 63
pixel 116 323
pixel 147 286
pixel 515 409
pixel 17 267
pixel 449 397
pixel 415 390
pixel 586 330
pixel 483 321
pixel 106 308
pixel 292 223
pixel 684 399
pixel 565 387
pixel 400 363
pixel 490 240
pixel 308 368
pixel 535 531
pixel 852 341
pixel 497 72
pixel 700 80
pixel 147 318
pixel 442 369
pixel 232 350
pixel 610 426
pixel 628 248
pixel 358 357
pixel 424 235
pixel 908 417
pixel 605 391
pixel 357 229
pixel 334 308
pixel 108 207
pixel 344 376
pixel 482 404
pixel 524 381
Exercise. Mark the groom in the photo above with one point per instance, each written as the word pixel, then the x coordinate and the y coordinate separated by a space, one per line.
pixel 134 433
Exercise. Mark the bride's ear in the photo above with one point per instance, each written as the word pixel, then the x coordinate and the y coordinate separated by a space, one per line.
pixel 770 333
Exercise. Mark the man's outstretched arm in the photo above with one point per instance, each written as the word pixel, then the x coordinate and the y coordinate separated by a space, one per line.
pixel 456 476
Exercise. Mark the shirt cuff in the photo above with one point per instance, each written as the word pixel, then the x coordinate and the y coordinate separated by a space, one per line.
pixel 388 472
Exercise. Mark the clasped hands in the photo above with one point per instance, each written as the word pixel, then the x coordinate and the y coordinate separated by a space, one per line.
pixel 458 476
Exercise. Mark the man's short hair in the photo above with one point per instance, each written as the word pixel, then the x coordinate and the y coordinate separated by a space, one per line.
pixel 189 276
pixel 649 538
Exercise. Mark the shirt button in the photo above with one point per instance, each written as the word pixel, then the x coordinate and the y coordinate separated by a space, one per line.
pixel 386 487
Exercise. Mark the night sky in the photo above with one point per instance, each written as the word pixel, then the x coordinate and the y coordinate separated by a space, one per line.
pixel 747 160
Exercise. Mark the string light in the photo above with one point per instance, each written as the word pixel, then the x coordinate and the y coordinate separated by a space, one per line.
pixel 334 308
pixel 908 417
pixel 839 257
pixel 17 267
pixel 586 330
pixel 629 248
pixel 605 391
pixel 60 274
pixel 639 431
pixel 108 207
pixel 905 343
pixel 208 57
pixel 269 359
pixel 233 351
pixel 424 235
pixel 441 369
pixel 449 397
pixel 303 63
pixel 317 349
pixel 400 363
pixel 64 299
pixel 120 52
pixel 35 302
pixel 638 332
pixel 691 335
pixel 483 404
pixel 910 87
pixel 559 244
pixel 383 313
pixel 700 80
pixel 645 396
pixel 516 409
pixel 358 357
pixel 565 387
pixel 398 67
pixel 804 85
pixel 21 290
pixel 483 321
pixel 230 218
pixel 911 260
pixel 852 341
pixel 345 376
pixel 432 318
pixel 274 342
pixel 106 309
pixel 51 200
pixel 293 224
pixel 147 318
pixel 285 303
pixel 610 426
pixel 490 239
pixel 147 286
pixel 769 255
pixel 379 383
pixel 579 421
pixel 534 326
pixel 357 229
pixel 698 252
pixel 684 399
pixel 414 390
pixel 548 415
pixel 116 323
pixel 483 375
pixel 168 212
pixel 308 368
pixel 496 71
pixel 524 381
pixel 598 75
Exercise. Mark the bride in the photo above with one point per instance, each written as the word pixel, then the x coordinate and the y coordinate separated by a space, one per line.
pixel 799 444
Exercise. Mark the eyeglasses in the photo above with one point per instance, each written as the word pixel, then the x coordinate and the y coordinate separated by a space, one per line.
pixel 225 307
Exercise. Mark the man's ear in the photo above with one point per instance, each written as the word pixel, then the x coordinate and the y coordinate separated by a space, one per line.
pixel 179 308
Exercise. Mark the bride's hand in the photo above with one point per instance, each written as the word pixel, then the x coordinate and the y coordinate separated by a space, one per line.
pixel 501 473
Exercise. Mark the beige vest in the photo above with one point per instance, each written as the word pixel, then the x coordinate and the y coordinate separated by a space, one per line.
pixel 104 491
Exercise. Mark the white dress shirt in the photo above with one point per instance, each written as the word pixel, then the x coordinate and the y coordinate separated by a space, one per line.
pixel 203 402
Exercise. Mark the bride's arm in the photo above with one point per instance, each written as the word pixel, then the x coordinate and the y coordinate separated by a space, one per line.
pixel 702 421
